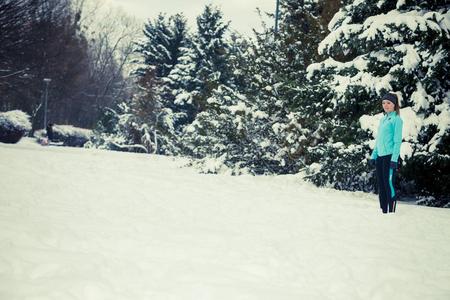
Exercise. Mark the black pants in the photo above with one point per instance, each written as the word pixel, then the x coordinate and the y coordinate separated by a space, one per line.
pixel 385 179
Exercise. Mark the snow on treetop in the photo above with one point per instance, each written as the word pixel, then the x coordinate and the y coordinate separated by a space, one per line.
pixel 420 98
pixel 342 33
pixel 400 3
pixel 384 27
pixel 183 98
pixel 382 24
pixel 442 19
pixel 240 106
pixel 15 119
pixel 340 15
pixel 372 83
pixel 260 114
pixel 442 122
pixel 411 59
pixel 360 63
pixel 69 130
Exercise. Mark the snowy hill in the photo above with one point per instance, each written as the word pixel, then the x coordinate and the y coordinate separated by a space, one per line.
pixel 90 224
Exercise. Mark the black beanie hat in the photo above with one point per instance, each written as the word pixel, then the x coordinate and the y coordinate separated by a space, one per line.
pixel 391 97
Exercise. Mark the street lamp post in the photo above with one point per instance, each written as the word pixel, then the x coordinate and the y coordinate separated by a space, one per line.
pixel 276 16
pixel 47 82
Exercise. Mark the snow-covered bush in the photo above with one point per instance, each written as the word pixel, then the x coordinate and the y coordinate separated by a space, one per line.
pixel 341 167
pixel 71 136
pixel 217 165
pixel 67 135
pixel 430 175
pixel 13 126
pixel 121 130
pixel 432 201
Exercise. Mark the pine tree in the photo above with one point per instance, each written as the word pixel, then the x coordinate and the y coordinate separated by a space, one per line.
pixel 231 127
pixel 163 48
pixel 261 107
pixel 180 88
pixel 156 48
pixel 176 87
pixel 375 47
pixel 277 66
pixel 204 70
pixel 210 57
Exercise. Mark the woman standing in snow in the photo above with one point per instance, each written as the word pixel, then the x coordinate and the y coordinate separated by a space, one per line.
pixel 387 150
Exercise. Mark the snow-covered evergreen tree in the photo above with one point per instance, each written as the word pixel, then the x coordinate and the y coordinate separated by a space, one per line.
pixel 261 108
pixel 302 27
pixel 158 48
pixel 375 47
pixel 277 66
pixel 204 69
pixel 200 68
pixel 163 49
pixel 209 64
pixel 177 87
pixel 231 128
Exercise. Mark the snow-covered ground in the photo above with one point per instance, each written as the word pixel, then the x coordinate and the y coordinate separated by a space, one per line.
pixel 90 224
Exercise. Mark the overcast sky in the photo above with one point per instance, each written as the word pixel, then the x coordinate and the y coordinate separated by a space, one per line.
pixel 241 13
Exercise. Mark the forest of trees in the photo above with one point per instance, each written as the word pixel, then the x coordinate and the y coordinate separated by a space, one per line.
pixel 56 39
pixel 296 100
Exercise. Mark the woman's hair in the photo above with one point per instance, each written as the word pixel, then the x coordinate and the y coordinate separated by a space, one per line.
pixel 397 105
pixel 397 109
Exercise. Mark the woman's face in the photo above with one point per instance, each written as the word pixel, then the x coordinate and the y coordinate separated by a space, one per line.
pixel 388 106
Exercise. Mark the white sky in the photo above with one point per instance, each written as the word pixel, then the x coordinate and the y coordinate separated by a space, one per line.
pixel 241 13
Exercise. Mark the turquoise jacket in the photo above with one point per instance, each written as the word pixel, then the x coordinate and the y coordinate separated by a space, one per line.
pixel 389 138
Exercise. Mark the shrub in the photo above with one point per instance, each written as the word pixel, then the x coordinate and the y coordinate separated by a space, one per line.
pixel 432 201
pixel 121 130
pixel 430 175
pixel 13 126
pixel 340 167
pixel 68 135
